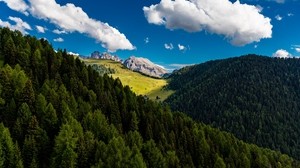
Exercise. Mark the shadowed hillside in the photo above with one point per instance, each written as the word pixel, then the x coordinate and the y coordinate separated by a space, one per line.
pixel 254 97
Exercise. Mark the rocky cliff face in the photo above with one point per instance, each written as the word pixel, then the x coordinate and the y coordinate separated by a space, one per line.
pixel 144 66
pixel 107 56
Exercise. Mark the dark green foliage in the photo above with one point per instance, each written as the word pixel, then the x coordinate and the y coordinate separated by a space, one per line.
pixel 153 155
pixel 64 154
pixel 9 153
pixel 62 113
pixel 101 69
pixel 256 98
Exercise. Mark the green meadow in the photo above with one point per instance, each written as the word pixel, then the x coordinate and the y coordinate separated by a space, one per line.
pixel 140 84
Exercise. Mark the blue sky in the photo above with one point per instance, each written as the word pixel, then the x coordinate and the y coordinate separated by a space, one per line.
pixel 171 33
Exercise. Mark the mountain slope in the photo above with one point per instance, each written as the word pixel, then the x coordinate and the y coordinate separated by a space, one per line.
pixel 140 84
pixel 256 98
pixel 145 66
pixel 57 112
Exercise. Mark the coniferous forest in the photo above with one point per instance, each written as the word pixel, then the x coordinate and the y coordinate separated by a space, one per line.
pixel 57 112
pixel 254 97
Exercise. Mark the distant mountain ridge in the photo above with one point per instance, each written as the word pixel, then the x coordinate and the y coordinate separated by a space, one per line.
pixel 138 64
pixel 144 66
pixel 107 56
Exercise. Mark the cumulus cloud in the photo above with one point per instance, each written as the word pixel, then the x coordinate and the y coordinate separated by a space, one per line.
pixel 278 17
pixel 17 5
pixel 290 14
pixel 40 29
pixel 56 31
pixel 71 18
pixel 240 23
pixel 181 47
pixel 59 39
pixel 20 25
pixel 169 46
pixel 281 53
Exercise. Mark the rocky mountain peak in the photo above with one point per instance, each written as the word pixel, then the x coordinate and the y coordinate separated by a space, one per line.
pixel 105 55
pixel 144 66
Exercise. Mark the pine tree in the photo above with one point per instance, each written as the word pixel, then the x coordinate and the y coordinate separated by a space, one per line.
pixel 10 51
pixel 219 162
pixel 7 158
pixel 152 155
pixel 64 154
pixel 50 121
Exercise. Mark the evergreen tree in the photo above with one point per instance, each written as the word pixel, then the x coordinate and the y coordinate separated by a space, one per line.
pixel 152 155
pixel 9 51
pixel 219 163
pixel 64 155
pixel 7 157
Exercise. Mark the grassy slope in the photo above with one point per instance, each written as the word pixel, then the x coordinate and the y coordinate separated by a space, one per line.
pixel 139 83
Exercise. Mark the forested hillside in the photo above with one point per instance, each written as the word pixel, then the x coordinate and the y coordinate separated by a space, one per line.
pixel 57 112
pixel 254 97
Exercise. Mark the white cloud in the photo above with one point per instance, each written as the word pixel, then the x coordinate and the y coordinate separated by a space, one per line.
pixel 59 39
pixel 20 25
pixel 72 53
pixel 281 53
pixel 240 23
pixel 169 46
pixel 40 29
pixel 146 40
pixel 71 18
pixel 290 14
pixel 56 31
pixel 17 5
pixel 296 48
pixel 278 17
pixel 181 47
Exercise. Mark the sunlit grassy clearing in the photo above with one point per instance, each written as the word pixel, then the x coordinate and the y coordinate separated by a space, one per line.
pixel 140 84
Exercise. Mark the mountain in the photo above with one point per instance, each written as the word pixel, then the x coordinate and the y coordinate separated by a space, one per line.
pixel 106 56
pixel 57 112
pixel 254 97
pixel 151 87
pixel 145 66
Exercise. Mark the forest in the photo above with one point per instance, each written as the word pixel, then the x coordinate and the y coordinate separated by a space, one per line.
pixel 55 111
pixel 254 97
